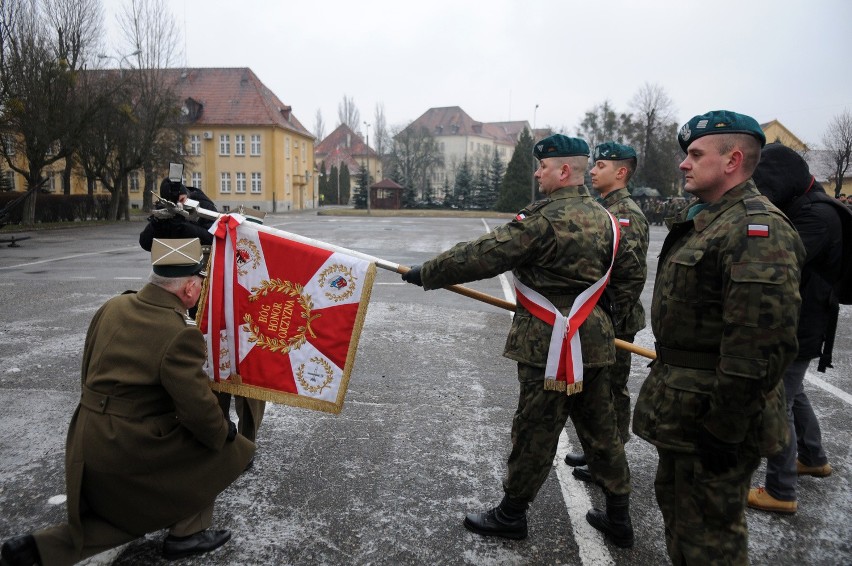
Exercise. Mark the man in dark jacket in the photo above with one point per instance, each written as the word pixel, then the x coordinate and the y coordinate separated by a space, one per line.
pixel 147 447
pixel 168 222
pixel 783 177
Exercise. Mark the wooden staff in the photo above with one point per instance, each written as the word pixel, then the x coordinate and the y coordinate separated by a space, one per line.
pixel 401 269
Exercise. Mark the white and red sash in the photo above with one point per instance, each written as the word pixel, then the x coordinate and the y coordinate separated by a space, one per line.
pixel 564 368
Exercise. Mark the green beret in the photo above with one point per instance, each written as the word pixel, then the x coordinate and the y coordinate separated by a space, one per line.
pixel 176 257
pixel 611 151
pixel 719 122
pixel 558 145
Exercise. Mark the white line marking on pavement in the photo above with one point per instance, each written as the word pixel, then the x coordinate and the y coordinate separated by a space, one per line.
pixel 824 385
pixel 508 292
pixel 592 549
pixel 63 258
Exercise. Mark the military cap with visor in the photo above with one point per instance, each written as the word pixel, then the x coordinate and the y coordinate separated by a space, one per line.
pixel 611 151
pixel 179 257
pixel 719 122
pixel 559 145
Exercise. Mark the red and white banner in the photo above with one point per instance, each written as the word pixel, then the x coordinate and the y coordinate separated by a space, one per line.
pixel 282 318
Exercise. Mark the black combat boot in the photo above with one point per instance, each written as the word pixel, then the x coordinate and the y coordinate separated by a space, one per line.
pixel 615 522
pixel 575 459
pixel 20 551
pixel 507 520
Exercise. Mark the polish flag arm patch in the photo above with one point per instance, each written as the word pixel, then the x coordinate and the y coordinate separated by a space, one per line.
pixel 624 221
pixel 520 216
pixel 759 230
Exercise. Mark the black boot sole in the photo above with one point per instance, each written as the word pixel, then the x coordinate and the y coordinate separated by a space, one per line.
pixel 514 535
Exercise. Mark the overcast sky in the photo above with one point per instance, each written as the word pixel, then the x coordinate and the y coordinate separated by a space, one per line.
pixel 789 60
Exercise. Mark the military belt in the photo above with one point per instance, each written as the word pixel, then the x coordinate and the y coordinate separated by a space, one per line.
pixel 122 406
pixel 687 358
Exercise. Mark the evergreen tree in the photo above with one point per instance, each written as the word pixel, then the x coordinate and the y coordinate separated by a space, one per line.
pixel 481 187
pixel 345 184
pixel 515 190
pixel 323 186
pixel 463 188
pixel 362 187
pixel 446 198
pixel 333 186
pixel 495 177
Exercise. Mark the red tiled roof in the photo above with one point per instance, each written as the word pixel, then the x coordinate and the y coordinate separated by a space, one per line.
pixel 386 184
pixel 233 97
pixel 343 138
pixel 453 121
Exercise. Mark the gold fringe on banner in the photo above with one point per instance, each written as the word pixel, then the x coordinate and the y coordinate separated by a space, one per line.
pixel 553 385
pixel 235 386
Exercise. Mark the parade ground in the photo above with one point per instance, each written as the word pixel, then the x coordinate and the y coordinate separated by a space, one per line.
pixel 422 439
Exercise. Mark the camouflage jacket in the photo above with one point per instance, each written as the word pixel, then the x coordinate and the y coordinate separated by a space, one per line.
pixel 559 247
pixel 629 317
pixel 727 293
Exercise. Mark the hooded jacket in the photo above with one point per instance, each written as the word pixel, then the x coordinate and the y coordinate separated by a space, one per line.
pixel 784 178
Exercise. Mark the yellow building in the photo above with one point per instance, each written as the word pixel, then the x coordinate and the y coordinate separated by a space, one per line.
pixel 776 132
pixel 244 146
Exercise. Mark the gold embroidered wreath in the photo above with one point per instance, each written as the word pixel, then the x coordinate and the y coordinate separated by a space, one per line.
pixel 291 290
pixel 315 389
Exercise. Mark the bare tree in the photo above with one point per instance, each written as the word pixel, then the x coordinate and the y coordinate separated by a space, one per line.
pixel 347 113
pixel 151 40
pixel 653 121
pixel 837 140
pixel 381 130
pixel 319 126
pixel 38 87
pixel 76 25
pixel 414 156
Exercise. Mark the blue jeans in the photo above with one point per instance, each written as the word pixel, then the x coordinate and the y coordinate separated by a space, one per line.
pixel 805 437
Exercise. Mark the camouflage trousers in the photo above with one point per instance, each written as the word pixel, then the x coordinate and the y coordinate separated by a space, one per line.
pixel 539 419
pixel 618 374
pixel 704 513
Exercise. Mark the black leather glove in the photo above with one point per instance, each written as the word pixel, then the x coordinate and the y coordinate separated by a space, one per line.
pixel 232 431
pixel 716 455
pixel 413 276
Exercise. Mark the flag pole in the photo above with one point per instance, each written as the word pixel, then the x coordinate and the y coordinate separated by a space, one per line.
pixel 401 269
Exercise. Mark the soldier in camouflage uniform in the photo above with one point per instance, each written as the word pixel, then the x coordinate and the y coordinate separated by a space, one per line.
pixel 724 314
pixel 614 165
pixel 558 247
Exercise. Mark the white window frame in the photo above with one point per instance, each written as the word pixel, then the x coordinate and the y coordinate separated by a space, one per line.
pixel 196 180
pixel 225 183
pixel 133 182
pixel 240 187
pixel 255 144
pixel 194 144
pixel 240 144
pixel 287 148
pixel 224 144
pixel 256 183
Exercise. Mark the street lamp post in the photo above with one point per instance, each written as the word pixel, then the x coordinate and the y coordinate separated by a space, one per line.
pixel 367 166
pixel 532 193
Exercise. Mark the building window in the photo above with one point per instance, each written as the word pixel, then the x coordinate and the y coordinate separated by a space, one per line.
pixel 256 187
pixel 195 144
pixel 239 144
pixel 241 183
pixel 224 144
pixel 287 184
pixel 134 181
pixel 196 181
pixel 255 144
pixel 9 145
pixel 225 183
pixel 304 152
pixel 10 180
pixel 287 148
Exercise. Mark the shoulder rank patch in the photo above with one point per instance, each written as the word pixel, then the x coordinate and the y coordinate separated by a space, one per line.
pixel 755 206
pixel 758 230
